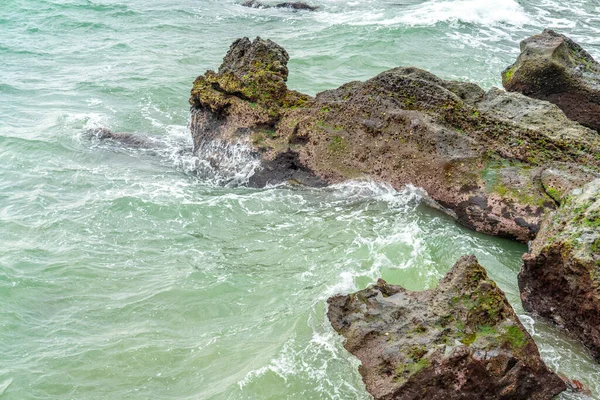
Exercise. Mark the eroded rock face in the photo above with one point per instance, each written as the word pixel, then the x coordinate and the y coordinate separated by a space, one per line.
pixel 554 68
pixel 245 98
pixel 560 278
pixel 479 155
pixel 461 340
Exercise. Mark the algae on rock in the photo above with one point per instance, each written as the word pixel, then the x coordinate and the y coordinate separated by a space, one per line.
pixel 560 278
pixel 554 68
pixel 404 126
pixel 461 340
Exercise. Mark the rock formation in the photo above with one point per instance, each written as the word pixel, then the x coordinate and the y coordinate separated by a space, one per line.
pixel 554 68
pixel 499 162
pixel 294 5
pixel 479 155
pixel 126 138
pixel 461 340
pixel 560 278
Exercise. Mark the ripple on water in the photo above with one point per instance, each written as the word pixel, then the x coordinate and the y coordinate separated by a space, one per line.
pixel 139 273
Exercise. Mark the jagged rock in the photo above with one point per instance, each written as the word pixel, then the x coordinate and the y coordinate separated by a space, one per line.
pixel 554 68
pixel 249 90
pixel 245 99
pixel 461 340
pixel 295 5
pixel 479 155
pixel 560 277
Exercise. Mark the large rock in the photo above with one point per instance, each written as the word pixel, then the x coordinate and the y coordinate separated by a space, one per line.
pixel 554 68
pixel 479 155
pixel 560 278
pixel 461 340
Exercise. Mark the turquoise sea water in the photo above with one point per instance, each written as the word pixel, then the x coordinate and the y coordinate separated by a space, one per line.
pixel 126 274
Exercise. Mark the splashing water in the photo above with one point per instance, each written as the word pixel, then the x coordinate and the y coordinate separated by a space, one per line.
pixel 153 272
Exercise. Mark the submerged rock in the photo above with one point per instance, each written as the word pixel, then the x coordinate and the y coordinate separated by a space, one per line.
pixel 479 155
pixel 461 340
pixel 126 138
pixel 295 5
pixel 560 277
pixel 554 68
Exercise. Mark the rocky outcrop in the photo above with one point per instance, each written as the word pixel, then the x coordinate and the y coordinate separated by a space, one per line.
pixel 499 162
pixel 560 278
pixel 479 155
pixel 554 68
pixel 294 5
pixel 461 340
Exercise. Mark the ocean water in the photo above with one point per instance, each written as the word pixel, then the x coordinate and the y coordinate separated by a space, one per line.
pixel 137 274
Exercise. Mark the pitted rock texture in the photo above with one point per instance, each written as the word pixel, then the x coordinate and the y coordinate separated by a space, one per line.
pixel 560 277
pixel 554 68
pixel 461 340
pixel 479 155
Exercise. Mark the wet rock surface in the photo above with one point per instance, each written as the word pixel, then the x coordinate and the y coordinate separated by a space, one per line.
pixel 499 162
pixel 560 278
pixel 554 68
pixel 129 139
pixel 461 340
pixel 479 155
pixel 294 5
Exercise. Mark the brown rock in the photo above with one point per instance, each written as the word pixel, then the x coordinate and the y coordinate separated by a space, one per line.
pixel 461 340
pixel 560 277
pixel 478 155
pixel 554 68
pixel 294 5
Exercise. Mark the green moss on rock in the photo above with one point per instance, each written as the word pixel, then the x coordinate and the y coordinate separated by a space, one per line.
pixel 406 339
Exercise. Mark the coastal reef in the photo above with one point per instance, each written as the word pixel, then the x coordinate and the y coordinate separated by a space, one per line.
pixel 461 340
pixel 480 156
pixel 499 162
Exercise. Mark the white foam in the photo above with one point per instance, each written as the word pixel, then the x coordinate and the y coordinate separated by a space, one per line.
pixel 86 121
pixel 345 284
pixel 363 189
pixel 481 12
pixel 93 102
pixel 224 163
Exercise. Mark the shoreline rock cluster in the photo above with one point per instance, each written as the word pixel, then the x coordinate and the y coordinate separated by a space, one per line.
pixel 515 165
pixel 479 155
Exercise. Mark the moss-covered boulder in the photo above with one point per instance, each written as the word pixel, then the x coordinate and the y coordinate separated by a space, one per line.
pixel 560 278
pixel 249 90
pixel 461 340
pixel 554 68
pixel 479 155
